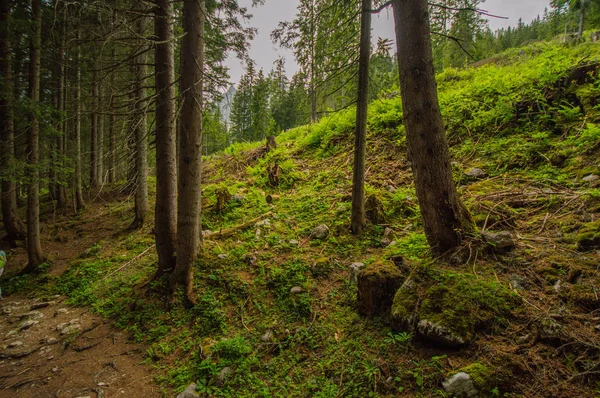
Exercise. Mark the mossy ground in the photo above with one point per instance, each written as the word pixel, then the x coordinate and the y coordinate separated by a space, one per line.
pixel 508 119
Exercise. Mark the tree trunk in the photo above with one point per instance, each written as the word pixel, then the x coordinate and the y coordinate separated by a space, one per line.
pixel 141 145
pixel 166 139
pixel 112 155
pixel 190 155
pixel 59 188
pixel 94 132
pixel 34 246
pixel 12 223
pixel 358 221
pixel 79 203
pixel 581 19
pixel 445 218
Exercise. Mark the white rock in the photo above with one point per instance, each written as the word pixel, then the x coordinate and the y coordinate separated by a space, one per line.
pixel 460 385
pixel 61 311
pixel 71 329
pixel 16 344
pixel 591 178
pixel 28 324
pixel 296 289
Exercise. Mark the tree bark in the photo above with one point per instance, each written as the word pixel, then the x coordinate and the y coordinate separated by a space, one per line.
pixel 79 203
pixel 166 139
pixel 190 155
pixel 94 131
pixel 358 220
pixel 34 246
pixel 112 147
pixel 12 223
pixel 59 188
pixel 445 218
pixel 581 19
pixel 141 145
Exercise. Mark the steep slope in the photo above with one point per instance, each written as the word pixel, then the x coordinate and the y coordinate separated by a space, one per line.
pixel 278 314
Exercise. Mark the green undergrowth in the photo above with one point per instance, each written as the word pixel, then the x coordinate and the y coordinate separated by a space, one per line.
pixel 251 336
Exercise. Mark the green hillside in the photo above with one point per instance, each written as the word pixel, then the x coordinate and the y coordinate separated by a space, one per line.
pixel 277 313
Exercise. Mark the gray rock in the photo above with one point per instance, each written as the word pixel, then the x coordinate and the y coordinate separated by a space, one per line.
pixel 61 311
pixel 557 286
pixel 16 344
pixel 439 334
pixel 294 242
pixel 388 233
pixel 268 336
pixel 28 324
pixel 71 329
pixel 226 371
pixel 266 223
pixel 296 290
pixel 518 282
pixel 189 392
pixel 391 189
pixel 257 233
pixel 249 258
pixel 321 232
pixel 74 321
pixel 591 178
pixel 61 326
pixel 385 242
pixel 353 269
pixel 207 232
pixel 476 173
pixel 32 315
pixel 500 241
pixel 460 385
pixel 223 256
pixel 50 340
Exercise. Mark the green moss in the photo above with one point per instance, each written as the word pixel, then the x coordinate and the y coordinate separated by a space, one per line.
pixel 382 270
pixel 480 375
pixel 589 236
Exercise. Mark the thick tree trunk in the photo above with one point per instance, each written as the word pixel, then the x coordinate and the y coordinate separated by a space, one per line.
pixel 59 188
pixel 94 132
pixel 190 155
pixel 358 220
pixel 79 203
pixel 112 154
pixel 12 223
pixel 141 145
pixel 445 218
pixel 166 139
pixel 34 246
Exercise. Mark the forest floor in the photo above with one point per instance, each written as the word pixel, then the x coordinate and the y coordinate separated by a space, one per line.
pixel 49 348
pixel 277 313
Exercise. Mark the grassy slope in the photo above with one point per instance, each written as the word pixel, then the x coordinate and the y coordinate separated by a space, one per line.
pixel 508 117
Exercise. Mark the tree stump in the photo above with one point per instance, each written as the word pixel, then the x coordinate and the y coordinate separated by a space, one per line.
pixel 271 143
pixel 273 173
pixel 377 285
pixel 374 210
pixel 223 198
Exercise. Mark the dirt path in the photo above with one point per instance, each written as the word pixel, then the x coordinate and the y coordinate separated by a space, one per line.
pixel 48 349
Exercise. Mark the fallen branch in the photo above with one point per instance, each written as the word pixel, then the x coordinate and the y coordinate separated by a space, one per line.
pixel 130 261
pixel 230 231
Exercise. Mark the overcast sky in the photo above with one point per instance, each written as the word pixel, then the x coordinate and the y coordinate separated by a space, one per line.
pixel 266 18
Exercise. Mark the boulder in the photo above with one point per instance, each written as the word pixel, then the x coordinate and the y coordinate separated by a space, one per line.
pixel 500 242
pixel 377 285
pixel 404 314
pixel 460 385
pixel 354 269
pixel 321 232
pixel 189 392
pixel 441 335
pixel 476 173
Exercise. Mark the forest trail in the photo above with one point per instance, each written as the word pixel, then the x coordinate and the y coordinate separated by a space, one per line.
pixel 51 349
